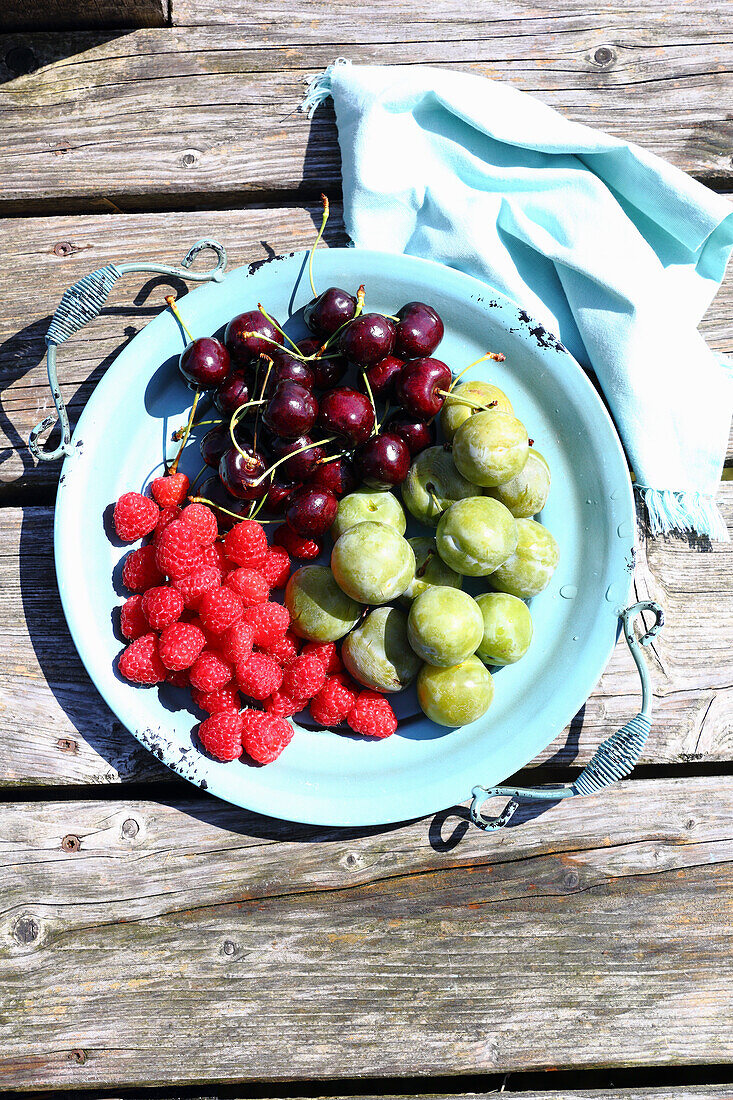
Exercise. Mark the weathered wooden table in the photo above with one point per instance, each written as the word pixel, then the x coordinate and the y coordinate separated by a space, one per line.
pixel 151 936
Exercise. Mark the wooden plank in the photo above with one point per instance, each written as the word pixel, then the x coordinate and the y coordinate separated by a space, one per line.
pixel 67 14
pixel 46 255
pixel 161 944
pixel 217 118
pixel 63 734
pixel 680 1092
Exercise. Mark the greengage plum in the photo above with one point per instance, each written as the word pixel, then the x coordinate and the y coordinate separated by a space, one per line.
pixel 454 412
pixel 507 628
pixel 525 494
pixel 433 484
pixel 366 505
pixel 530 567
pixel 372 563
pixel 476 535
pixel 490 447
pixel 455 696
pixel 377 652
pixel 445 626
pixel 430 571
pixel 319 610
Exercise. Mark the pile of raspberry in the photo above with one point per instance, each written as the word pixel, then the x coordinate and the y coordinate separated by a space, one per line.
pixel 200 616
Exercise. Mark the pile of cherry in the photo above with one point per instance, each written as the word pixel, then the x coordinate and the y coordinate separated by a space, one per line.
pixel 291 441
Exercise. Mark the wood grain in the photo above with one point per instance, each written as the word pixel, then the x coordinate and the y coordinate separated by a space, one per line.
pixel 64 734
pixel 67 14
pixel 46 255
pixel 217 118
pixel 149 943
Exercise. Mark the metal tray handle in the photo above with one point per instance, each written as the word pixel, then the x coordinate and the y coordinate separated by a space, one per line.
pixel 84 301
pixel 615 758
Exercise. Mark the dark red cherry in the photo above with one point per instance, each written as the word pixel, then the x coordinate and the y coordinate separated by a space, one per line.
pixel 311 512
pixel 286 368
pixel 204 363
pixel 339 476
pixel 367 339
pixel 279 494
pixel 299 466
pixel 416 387
pixel 233 392
pixel 381 376
pixel 329 311
pixel 291 411
pixel 384 461
pixel 417 434
pixel 218 440
pixel 346 413
pixel 240 473
pixel 419 331
pixel 243 348
pixel 327 372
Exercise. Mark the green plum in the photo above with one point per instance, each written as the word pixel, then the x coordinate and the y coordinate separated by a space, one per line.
pixel 454 412
pixel 430 570
pixel 377 653
pixel 432 484
pixel 368 504
pixel 319 610
pixel 490 448
pixel 455 696
pixel 507 628
pixel 372 562
pixel 445 626
pixel 476 535
pixel 530 567
pixel 525 494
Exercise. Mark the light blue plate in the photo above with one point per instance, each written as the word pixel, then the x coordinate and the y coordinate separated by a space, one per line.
pixel 324 777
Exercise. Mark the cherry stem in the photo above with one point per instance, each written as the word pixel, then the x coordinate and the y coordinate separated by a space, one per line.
pixel 297 451
pixel 371 398
pixel 255 511
pixel 221 508
pixel 275 344
pixel 360 295
pixel 328 458
pixel 359 307
pixel 179 432
pixel 203 470
pixel 172 469
pixel 273 322
pixel 236 417
pixel 497 356
pixel 465 401
pixel 262 394
pixel 315 244
pixel 172 303
pixel 387 407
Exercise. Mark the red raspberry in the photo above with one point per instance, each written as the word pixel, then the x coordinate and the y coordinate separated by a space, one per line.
pixel 303 677
pixel 201 521
pixel 296 545
pixel 326 653
pixel 210 671
pixel 140 571
pixel 236 642
pixel 246 543
pixel 226 698
pixel 177 552
pixel 372 715
pixel 135 516
pixel 265 736
pixel 180 644
pixel 141 663
pixel 284 650
pixel 250 585
pixel 334 701
pixel 162 606
pixel 193 586
pixel 170 490
pixel 178 678
pixel 259 676
pixel 214 555
pixel 166 517
pixel 282 706
pixel 275 567
pixel 270 620
pixel 219 609
pixel 133 623
pixel 221 735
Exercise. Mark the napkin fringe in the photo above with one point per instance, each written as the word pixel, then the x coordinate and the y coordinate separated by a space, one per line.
pixel 670 511
pixel 319 88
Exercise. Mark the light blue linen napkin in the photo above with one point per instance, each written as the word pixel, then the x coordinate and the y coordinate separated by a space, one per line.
pixel 608 246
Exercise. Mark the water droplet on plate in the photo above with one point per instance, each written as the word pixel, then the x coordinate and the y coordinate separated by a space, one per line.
pixel 568 591
pixel 575 637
